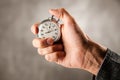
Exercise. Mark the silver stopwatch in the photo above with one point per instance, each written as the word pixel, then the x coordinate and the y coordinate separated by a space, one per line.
pixel 49 28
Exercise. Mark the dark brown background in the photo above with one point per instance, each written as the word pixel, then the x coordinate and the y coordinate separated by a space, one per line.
pixel 100 19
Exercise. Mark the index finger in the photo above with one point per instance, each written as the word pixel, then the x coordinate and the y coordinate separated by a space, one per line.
pixel 34 28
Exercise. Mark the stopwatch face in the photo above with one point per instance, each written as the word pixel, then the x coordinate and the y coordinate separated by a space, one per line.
pixel 49 29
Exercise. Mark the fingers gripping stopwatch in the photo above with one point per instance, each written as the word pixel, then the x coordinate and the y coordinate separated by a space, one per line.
pixel 49 28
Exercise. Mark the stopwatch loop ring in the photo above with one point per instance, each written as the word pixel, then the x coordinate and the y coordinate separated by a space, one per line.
pixel 55 19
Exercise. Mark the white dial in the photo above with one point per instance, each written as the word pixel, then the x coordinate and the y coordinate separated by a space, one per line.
pixel 49 29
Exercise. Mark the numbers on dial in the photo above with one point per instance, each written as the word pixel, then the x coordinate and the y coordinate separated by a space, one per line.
pixel 49 29
pixel 56 33
pixel 53 37
pixel 46 24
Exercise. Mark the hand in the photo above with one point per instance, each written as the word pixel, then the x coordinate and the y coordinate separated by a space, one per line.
pixel 74 50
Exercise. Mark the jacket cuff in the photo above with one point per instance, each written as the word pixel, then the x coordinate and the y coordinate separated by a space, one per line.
pixel 110 67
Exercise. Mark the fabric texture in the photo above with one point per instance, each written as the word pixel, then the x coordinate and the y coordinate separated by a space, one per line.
pixel 110 69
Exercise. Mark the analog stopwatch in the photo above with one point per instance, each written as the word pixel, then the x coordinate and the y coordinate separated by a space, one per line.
pixel 49 28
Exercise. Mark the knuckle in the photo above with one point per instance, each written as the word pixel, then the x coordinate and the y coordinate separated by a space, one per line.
pixel 55 58
pixel 42 51
pixel 43 43
pixel 51 49
pixel 54 48
pixel 55 55
pixel 60 46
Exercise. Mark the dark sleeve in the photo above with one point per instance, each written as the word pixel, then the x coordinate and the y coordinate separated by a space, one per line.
pixel 110 69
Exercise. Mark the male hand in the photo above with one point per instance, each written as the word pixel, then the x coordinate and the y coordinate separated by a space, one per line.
pixel 74 50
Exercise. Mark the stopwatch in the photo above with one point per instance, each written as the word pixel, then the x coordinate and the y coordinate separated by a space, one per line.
pixel 49 28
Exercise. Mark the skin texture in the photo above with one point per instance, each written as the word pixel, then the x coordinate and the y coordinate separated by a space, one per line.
pixel 74 50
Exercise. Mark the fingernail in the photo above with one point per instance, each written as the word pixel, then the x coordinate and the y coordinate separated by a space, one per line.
pixel 52 9
pixel 50 41
pixel 35 42
pixel 47 57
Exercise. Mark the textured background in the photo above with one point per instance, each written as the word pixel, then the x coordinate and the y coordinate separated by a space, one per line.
pixel 20 61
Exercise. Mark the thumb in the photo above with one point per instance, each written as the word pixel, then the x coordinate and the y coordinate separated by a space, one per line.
pixel 62 14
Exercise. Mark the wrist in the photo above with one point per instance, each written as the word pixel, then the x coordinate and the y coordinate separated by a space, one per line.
pixel 95 57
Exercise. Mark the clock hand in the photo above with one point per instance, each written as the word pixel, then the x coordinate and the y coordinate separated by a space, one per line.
pixel 49 27
pixel 48 32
